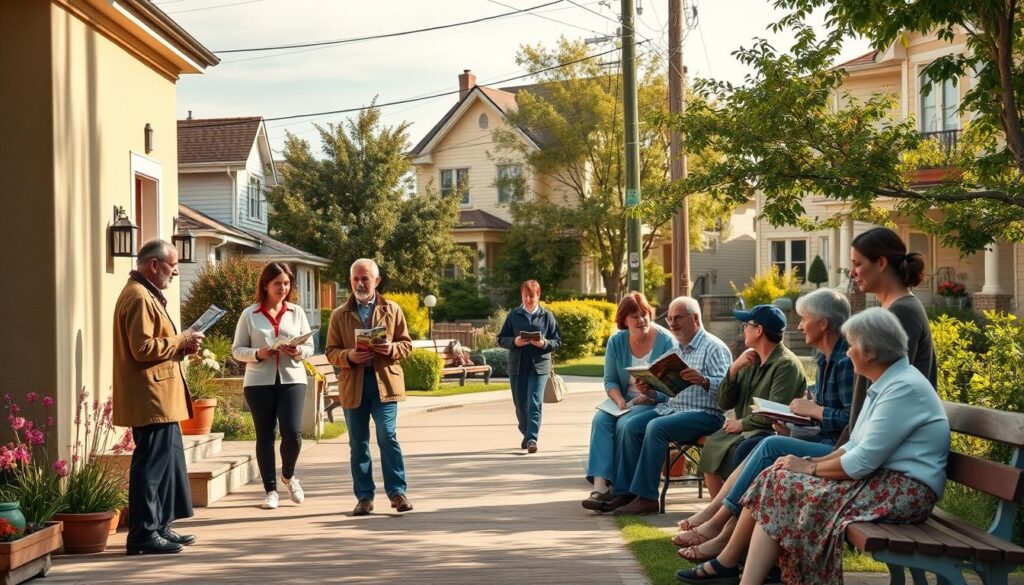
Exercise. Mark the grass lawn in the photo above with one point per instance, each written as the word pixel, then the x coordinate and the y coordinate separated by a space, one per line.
pixel 453 388
pixel 332 430
pixel 588 366
pixel 653 548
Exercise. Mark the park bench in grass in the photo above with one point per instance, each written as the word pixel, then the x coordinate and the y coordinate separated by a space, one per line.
pixel 452 366
pixel 945 544
pixel 331 397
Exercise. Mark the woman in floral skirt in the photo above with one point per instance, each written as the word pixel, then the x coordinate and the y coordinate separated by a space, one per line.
pixel 893 469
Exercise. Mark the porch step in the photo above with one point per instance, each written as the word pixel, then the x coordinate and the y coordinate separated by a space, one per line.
pixel 214 477
pixel 199 447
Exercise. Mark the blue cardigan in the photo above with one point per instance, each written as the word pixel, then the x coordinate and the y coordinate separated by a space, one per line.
pixel 529 358
pixel 617 356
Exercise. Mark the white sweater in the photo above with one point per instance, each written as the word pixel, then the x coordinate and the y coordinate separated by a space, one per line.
pixel 254 331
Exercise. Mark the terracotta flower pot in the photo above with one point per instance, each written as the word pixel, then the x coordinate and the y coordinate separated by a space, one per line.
pixel 85 533
pixel 202 417
pixel 115 521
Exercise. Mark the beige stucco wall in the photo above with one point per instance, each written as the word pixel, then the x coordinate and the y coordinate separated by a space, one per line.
pixel 102 100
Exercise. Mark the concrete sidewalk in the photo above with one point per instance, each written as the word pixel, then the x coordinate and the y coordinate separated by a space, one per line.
pixel 485 512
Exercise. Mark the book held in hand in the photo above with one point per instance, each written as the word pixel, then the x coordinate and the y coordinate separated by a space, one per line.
pixel 663 374
pixel 293 341
pixel 777 411
pixel 611 408
pixel 208 319
pixel 365 338
pixel 530 335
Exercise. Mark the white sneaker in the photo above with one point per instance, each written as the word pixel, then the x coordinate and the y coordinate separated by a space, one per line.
pixel 271 502
pixel 295 490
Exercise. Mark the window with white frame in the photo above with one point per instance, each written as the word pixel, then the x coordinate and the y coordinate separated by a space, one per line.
pixel 939 109
pixel 455 181
pixel 254 198
pixel 790 255
pixel 510 183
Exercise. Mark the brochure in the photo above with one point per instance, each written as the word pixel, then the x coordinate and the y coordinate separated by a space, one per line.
pixel 293 341
pixel 207 319
pixel 365 338
pixel 780 412
pixel 611 408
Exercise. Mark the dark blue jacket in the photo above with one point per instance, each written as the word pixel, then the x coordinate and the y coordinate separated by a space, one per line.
pixel 528 357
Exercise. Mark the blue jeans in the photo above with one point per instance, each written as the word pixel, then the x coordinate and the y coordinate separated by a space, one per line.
pixel 385 417
pixel 762 457
pixel 642 443
pixel 528 398
pixel 739 455
pixel 604 430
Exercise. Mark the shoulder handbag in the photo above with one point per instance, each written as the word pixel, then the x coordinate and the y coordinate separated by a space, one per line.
pixel 555 389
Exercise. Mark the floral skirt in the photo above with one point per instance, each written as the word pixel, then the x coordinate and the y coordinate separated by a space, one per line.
pixel 807 515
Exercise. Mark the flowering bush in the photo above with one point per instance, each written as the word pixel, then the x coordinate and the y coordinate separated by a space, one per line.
pixel 8 532
pixel 951 288
pixel 30 479
pixel 91 485
pixel 199 370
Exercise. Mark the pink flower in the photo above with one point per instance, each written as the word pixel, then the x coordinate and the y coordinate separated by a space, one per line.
pixel 35 436
pixel 49 421
pixel 126 444
pixel 31 397
pixel 22 454
pixel 6 458
pixel 47 402
pixel 61 467
pixel 17 422
pixel 15 409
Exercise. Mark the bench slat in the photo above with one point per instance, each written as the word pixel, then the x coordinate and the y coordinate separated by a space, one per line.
pixel 916 536
pixel 956 544
pixel 995 425
pixel 867 536
pixel 1003 549
pixel 987 476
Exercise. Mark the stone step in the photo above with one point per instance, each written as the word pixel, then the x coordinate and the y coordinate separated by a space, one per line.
pixel 214 477
pixel 199 447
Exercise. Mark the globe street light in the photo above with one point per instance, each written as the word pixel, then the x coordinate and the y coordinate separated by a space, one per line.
pixel 430 301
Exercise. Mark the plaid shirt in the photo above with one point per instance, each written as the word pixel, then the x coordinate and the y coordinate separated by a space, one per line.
pixel 711 357
pixel 833 389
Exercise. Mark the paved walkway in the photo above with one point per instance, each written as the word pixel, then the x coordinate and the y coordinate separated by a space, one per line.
pixel 484 513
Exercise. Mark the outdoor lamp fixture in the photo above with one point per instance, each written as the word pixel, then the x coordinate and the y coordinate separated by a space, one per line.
pixel 123 235
pixel 149 138
pixel 185 241
pixel 430 301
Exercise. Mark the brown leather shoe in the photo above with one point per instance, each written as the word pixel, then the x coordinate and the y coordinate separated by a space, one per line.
pixel 363 507
pixel 617 502
pixel 640 506
pixel 401 503
pixel 596 500
pixel 531 447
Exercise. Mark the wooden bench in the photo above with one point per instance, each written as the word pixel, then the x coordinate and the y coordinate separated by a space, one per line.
pixel 332 399
pixel 945 544
pixel 452 368
pixel 681 450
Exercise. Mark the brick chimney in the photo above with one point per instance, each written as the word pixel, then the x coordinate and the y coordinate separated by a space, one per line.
pixel 467 81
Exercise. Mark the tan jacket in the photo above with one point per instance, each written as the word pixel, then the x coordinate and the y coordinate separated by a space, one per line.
pixel 341 339
pixel 149 384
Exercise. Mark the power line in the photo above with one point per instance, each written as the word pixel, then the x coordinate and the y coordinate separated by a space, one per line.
pixel 387 35
pixel 548 18
pixel 212 7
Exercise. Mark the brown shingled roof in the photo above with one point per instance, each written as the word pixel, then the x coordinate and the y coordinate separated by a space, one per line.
pixel 216 139
pixel 865 59
pixel 475 219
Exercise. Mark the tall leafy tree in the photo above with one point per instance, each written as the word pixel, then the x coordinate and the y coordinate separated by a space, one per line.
pixel 780 134
pixel 352 203
pixel 576 112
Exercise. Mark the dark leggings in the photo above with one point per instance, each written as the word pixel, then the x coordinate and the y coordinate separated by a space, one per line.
pixel 269 405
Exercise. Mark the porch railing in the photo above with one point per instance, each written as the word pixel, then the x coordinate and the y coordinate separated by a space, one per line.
pixel 718 307
pixel 948 140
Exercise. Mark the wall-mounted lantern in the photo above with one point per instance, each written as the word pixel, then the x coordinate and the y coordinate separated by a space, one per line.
pixel 123 235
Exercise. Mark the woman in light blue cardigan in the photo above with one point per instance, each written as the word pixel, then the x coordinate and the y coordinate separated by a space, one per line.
pixel 637 342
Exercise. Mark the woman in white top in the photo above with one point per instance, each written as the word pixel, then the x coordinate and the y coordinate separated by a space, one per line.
pixel 275 379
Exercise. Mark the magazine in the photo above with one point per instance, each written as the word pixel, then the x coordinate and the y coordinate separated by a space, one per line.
pixel 611 408
pixel 365 338
pixel 293 341
pixel 777 411
pixel 207 319
pixel 663 374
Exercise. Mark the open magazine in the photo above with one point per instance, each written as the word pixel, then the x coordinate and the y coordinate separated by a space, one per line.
pixel 611 408
pixel 365 338
pixel 208 319
pixel 663 373
pixel 777 411
pixel 293 341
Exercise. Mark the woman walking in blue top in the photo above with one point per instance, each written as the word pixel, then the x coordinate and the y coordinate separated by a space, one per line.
pixel 530 333
pixel 639 341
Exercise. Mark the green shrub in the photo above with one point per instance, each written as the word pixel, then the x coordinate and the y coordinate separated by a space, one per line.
pixel 415 315
pixel 422 370
pixel 608 310
pixel 497 358
pixel 817 273
pixel 488 338
pixel 233 423
pixel 231 285
pixel 220 346
pixel 581 327
pixel 460 299
pixel 769 285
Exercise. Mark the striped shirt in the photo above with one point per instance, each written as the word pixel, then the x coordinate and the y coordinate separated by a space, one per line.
pixel 711 357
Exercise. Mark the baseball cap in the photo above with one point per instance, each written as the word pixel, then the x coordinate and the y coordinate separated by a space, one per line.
pixel 768 316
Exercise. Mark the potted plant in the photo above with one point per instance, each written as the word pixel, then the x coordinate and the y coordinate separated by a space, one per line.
pixel 952 292
pixel 199 371
pixel 30 492
pixel 92 492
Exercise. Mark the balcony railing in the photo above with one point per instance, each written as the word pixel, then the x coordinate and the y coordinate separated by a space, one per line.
pixel 947 140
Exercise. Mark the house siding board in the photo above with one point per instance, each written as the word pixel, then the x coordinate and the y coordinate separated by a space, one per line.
pixel 208 193
pixel 730 262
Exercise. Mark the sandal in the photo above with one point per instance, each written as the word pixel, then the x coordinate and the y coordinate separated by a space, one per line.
pixel 694 539
pixel 694 554
pixel 722 575
pixel 685 524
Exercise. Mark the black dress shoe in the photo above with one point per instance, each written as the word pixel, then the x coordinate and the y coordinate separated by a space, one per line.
pixel 363 507
pixel 157 546
pixel 182 539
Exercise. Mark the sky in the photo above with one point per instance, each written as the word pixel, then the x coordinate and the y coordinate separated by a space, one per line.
pixel 298 81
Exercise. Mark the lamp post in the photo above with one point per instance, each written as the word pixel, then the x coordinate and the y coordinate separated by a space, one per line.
pixel 429 302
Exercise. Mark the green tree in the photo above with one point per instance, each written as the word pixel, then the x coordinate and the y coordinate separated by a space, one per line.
pixel 351 204
pixel 779 132
pixel 817 272
pixel 575 114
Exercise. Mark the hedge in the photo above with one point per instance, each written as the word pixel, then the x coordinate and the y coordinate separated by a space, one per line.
pixel 415 315
pixel 608 309
pixel 497 358
pixel 422 370
pixel 581 326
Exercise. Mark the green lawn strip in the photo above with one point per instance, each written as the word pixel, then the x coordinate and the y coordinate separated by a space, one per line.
pixel 453 388
pixel 653 548
pixel 587 366
pixel 332 430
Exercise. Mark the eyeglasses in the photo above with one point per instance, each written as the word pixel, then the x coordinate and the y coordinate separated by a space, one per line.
pixel 676 318
pixel 746 324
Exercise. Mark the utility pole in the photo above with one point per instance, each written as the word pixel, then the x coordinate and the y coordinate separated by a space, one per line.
pixel 677 154
pixel 634 260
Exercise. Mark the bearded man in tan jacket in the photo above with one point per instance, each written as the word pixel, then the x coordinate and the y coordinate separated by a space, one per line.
pixel 150 396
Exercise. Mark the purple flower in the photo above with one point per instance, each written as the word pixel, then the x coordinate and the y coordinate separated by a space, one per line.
pixel 17 422
pixel 49 421
pixel 47 402
pixel 61 467
pixel 31 397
